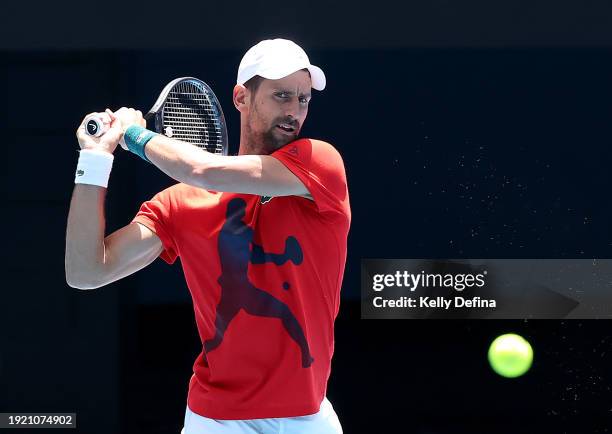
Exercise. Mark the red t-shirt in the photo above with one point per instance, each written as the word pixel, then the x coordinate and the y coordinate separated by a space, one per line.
pixel 265 277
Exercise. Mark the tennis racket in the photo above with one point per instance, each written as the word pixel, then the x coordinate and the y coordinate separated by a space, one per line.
pixel 187 110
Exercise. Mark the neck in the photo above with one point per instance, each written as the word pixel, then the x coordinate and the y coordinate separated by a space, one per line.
pixel 245 146
pixel 248 144
pixel 251 150
pixel 248 147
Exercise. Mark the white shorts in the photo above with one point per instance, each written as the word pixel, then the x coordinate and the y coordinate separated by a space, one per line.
pixel 324 422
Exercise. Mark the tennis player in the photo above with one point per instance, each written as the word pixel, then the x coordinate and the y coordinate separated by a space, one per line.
pixel 262 242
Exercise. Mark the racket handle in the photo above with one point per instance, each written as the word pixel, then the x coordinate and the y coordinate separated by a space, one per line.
pixel 95 126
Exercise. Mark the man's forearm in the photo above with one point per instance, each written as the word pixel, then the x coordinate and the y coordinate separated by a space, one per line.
pixel 85 236
pixel 179 160
pixel 261 175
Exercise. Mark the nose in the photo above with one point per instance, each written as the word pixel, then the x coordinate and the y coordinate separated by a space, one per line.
pixel 293 109
pixel 290 117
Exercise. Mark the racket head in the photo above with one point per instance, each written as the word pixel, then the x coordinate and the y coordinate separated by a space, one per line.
pixel 188 110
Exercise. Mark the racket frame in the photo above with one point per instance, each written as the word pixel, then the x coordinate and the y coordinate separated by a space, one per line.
pixel 156 111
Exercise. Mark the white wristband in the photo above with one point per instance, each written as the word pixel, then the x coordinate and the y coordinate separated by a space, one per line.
pixel 94 167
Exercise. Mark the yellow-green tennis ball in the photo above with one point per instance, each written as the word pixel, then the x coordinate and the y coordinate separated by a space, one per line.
pixel 510 355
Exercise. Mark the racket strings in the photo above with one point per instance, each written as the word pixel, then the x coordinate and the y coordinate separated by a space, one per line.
pixel 191 114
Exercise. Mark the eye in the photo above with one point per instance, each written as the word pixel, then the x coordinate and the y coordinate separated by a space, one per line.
pixel 303 100
pixel 282 95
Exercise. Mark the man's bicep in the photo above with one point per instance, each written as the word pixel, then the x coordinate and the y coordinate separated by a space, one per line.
pixel 128 250
pixel 251 174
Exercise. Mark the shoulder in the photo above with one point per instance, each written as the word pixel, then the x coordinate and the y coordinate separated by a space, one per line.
pixel 315 145
pixel 322 145
pixel 311 151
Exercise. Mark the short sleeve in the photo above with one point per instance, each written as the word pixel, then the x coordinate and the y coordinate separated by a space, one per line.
pixel 155 215
pixel 320 168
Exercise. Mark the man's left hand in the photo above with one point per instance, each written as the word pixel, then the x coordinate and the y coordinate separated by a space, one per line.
pixel 127 117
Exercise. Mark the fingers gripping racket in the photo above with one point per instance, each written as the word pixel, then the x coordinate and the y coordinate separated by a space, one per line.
pixel 186 110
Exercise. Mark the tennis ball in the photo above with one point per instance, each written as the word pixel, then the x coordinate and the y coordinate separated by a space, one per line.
pixel 510 355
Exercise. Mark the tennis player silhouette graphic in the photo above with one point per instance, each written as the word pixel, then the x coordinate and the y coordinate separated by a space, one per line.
pixel 238 293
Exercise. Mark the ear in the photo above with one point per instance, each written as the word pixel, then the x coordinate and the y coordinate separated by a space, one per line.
pixel 241 97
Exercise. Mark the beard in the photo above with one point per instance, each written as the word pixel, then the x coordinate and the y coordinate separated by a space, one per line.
pixel 274 139
pixel 271 139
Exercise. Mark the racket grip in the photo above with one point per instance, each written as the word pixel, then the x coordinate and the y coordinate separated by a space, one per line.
pixel 95 126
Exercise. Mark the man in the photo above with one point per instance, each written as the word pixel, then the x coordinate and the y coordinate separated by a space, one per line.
pixel 262 241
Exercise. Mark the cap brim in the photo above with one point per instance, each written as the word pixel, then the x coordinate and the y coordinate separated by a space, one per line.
pixel 317 76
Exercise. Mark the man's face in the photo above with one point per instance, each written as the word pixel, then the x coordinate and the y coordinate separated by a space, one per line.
pixel 278 110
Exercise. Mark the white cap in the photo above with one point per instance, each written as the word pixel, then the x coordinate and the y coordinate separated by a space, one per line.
pixel 277 58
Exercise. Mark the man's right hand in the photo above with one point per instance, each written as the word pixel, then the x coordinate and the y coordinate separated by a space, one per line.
pixel 108 141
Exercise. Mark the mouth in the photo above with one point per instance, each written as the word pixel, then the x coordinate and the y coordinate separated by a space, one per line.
pixel 286 128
